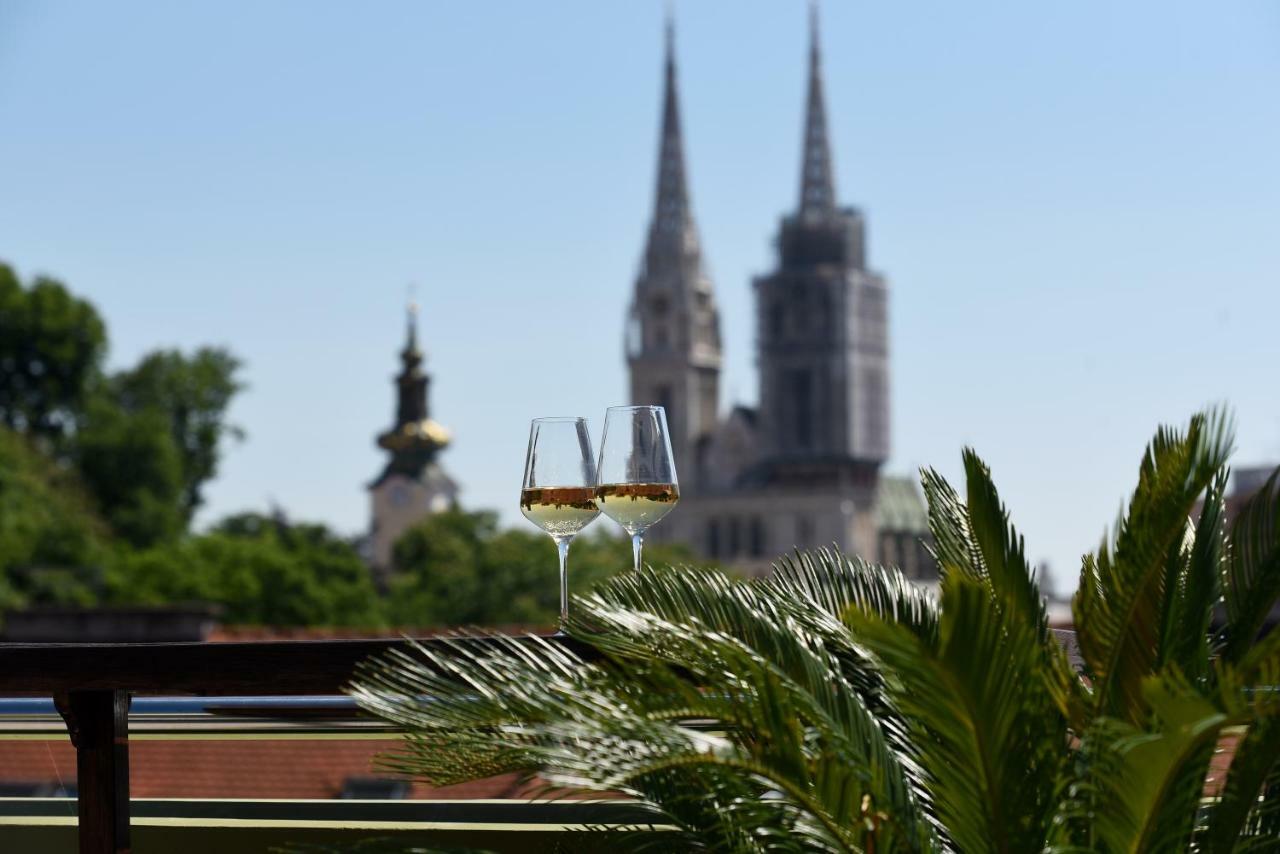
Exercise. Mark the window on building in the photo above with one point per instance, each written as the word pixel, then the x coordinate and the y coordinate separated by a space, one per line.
pixel 909 550
pixel 735 536
pixel 713 538
pixel 777 319
pixel 875 410
pixel 757 537
pixel 663 397
pixel 804 532
pixel 802 407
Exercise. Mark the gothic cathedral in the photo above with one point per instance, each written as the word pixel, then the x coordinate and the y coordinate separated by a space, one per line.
pixel 802 470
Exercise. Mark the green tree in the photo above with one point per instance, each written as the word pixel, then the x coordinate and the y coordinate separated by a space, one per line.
pixel 51 541
pixel 147 439
pixel 51 349
pixel 456 568
pixel 192 393
pixel 834 706
pixel 134 470
pixel 260 571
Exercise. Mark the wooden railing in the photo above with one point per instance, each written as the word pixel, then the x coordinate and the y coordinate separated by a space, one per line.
pixel 92 685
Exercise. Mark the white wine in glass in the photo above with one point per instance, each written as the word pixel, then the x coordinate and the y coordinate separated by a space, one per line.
pixel 559 489
pixel 637 472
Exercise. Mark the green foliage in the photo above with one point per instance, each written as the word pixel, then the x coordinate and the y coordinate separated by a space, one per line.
pixel 132 466
pixel 50 538
pixel 457 568
pixel 51 348
pixel 833 707
pixel 1126 587
pixel 145 439
pixel 259 571
pixel 191 393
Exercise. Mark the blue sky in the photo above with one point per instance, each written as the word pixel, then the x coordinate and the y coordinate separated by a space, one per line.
pixel 1077 207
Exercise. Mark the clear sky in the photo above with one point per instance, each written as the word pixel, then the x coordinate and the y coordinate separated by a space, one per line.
pixel 1077 206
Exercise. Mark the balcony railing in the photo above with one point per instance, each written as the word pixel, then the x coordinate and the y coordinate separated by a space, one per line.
pixel 276 689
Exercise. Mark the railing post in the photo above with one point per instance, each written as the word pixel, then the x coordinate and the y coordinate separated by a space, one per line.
pixel 98 722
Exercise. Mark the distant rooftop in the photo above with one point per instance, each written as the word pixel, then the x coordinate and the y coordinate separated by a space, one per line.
pixel 900 506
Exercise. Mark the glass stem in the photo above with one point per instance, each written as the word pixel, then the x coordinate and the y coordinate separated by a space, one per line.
pixel 637 546
pixel 562 546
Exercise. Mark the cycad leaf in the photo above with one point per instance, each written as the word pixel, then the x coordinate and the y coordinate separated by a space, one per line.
pixel 834 582
pixel 1004 560
pixel 1192 587
pixel 664 614
pixel 1120 605
pixel 1137 791
pixel 990 737
pixel 525 705
pixel 1251 583
pixel 977 540
pixel 1256 757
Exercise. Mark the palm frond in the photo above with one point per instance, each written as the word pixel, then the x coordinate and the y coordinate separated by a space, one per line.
pixel 1238 812
pixel 776 761
pixel 1251 581
pixel 1192 587
pixel 1119 605
pixel 1138 789
pixel 731 627
pixel 990 737
pixel 833 583
pixel 977 540
pixel 1004 560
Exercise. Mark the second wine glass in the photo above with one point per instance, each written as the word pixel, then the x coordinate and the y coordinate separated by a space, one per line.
pixel 637 471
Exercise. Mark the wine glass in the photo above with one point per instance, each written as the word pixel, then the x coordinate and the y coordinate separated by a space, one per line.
pixel 637 472
pixel 559 488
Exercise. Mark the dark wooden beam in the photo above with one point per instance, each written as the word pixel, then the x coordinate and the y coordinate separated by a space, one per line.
pixel 263 668
pixel 98 723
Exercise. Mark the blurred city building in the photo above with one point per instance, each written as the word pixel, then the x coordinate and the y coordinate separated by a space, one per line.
pixel 802 469
pixel 1246 482
pixel 413 484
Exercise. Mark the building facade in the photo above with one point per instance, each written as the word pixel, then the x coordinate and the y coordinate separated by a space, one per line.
pixel 803 469
pixel 413 484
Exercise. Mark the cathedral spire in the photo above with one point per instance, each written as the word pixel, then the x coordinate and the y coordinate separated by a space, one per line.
pixel 817 182
pixel 672 233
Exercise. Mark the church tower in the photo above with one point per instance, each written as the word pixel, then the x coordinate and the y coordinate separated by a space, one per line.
pixel 412 485
pixel 673 332
pixel 822 329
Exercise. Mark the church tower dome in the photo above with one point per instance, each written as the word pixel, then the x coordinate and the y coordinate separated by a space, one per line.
pixel 412 485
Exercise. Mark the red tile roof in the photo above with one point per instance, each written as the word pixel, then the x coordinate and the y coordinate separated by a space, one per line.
pixel 281 768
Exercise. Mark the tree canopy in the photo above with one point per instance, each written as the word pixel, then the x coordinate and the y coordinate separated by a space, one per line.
pixel 144 439
pixel 51 540
pixel 259 570
pixel 192 393
pixel 459 568
pixel 51 349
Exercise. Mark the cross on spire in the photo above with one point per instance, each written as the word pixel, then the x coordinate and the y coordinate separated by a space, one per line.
pixel 817 181
pixel 411 352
